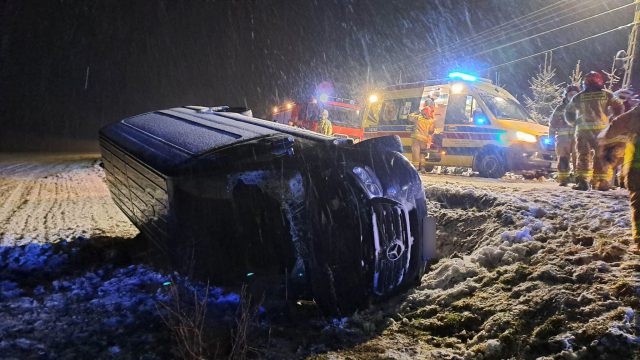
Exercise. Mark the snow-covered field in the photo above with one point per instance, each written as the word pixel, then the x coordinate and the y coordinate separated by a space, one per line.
pixel 528 270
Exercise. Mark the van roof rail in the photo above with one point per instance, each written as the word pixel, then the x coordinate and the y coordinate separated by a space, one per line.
pixel 416 84
pixel 429 83
pixel 210 109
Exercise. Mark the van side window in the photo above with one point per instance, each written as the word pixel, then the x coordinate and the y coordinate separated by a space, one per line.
pixel 396 112
pixel 460 109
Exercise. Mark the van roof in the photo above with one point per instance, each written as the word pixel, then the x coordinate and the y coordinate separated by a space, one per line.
pixel 433 82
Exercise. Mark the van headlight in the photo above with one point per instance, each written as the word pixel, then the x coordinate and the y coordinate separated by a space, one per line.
pixel 523 136
pixel 368 180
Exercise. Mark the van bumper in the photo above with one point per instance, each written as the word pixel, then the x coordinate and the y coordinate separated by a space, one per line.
pixel 531 158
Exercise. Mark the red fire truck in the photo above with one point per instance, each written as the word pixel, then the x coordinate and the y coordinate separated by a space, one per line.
pixel 344 115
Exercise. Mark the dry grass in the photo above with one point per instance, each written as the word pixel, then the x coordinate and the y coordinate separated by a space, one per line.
pixel 186 320
pixel 245 317
pixel 186 317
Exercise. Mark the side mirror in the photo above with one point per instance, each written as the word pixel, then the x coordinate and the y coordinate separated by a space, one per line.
pixel 479 117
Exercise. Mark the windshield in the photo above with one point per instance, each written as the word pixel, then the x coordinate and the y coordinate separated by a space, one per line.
pixel 342 116
pixel 506 108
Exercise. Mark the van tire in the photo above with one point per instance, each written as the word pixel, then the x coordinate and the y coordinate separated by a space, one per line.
pixel 490 163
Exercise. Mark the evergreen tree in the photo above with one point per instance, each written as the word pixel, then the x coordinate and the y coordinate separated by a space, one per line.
pixel 546 93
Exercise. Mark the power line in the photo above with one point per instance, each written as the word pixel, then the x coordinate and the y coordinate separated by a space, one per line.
pixel 549 31
pixel 494 30
pixel 552 30
pixel 543 21
pixel 559 47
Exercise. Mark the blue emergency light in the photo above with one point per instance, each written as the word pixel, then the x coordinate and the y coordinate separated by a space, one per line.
pixel 481 120
pixel 547 141
pixel 462 76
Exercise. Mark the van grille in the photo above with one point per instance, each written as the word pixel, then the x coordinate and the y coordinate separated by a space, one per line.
pixel 391 235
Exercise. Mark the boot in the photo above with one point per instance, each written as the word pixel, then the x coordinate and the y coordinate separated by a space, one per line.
pixel 602 185
pixel 582 185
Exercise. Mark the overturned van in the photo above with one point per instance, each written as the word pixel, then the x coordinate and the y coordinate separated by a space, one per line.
pixel 225 196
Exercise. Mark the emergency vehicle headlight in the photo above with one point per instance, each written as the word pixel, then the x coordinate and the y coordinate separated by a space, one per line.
pixel 523 136
pixel 323 97
pixel 275 109
pixel 457 88
pixel 368 181
pixel 289 106
pixel 373 98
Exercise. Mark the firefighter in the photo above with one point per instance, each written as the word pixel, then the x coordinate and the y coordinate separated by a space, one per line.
pixel 627 125
pixel 616 149
pixel 324 125
pixel 587 111
pixel 422 136
pixel 564 136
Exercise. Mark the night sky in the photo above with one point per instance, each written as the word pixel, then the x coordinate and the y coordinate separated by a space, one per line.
pixel 67 67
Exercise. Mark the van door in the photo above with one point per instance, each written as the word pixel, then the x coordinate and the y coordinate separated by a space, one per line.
pixel 459 110
pixel 463 135
pixel 391 117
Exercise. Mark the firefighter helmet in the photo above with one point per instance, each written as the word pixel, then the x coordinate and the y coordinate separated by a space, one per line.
pixel 593 81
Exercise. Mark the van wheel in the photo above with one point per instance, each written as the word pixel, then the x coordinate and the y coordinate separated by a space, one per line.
pixel 490 163
pixel 428 168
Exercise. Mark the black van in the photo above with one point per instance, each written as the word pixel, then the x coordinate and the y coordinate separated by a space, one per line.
pixel 226 196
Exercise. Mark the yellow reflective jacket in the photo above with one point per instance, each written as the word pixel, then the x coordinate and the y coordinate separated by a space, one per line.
pixel 325 127
pixel 424 128
pixel 627 126
pixel 588 109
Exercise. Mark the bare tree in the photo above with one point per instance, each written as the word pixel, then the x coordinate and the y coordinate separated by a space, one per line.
pixel 576 75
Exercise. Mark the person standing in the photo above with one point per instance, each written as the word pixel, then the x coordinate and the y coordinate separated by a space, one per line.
pixel 627 125
pixel 616 149
pixel 587 111
pixel 422 135
pixel 324 125
pixel 563 135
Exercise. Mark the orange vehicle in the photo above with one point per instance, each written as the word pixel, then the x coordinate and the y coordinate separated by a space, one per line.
pixel 344 115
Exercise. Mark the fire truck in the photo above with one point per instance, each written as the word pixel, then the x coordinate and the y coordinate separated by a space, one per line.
pixel 477 125
pixel 344 115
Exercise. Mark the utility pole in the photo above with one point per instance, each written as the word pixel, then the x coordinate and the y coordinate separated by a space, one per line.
pixel 632 65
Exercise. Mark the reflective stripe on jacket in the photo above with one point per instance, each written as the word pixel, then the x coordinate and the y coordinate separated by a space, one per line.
pixel 588 110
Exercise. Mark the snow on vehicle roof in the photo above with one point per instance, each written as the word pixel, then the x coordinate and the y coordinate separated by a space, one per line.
pixel 246 122
pixel 191 134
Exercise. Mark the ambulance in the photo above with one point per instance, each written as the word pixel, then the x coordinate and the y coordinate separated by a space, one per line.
pixel 478 125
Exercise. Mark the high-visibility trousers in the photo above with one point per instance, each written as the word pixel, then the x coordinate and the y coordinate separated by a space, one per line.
pixel 589 164
pixel 634 201
pixel 565 146
pixel 416 151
